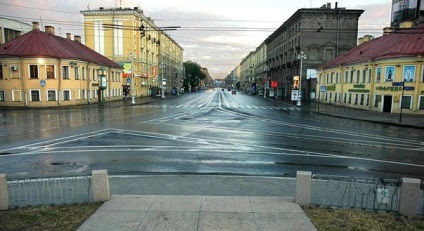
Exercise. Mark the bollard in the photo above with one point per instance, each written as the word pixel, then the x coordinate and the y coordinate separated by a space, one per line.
pixel 303 188
pixel 101 191
pixel 4 195
pixel 409 197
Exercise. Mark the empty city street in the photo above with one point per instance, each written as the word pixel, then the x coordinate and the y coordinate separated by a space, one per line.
pixel 207 132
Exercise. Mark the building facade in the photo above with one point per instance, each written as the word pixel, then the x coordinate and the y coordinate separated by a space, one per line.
pixel 385 74
pixel 11 29
pixel 321 33
pixel 171 60
pixel 131 39
pixel 40 69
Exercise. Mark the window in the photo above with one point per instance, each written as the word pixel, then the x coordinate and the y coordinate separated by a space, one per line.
pixel 361 102
pixel 422 77
pixel 329 99
pixel 406 102
pixel 335 97
pixel 16 96
pixel 2 96
pixel 50 71
pixel 390 73
pixel 369 75
pixel 409 73
pixel 35 95
pixel 51 95
pixel 378 74
pixel 337 77
pixel 66 95
pixel 65 72
pixel 1 71
pixel 350 99
pixel 368 100
pixel 421 105
pixel 346 76
pixel 358 73
pixel 376 100
pixel 356 99
pixel 351 76
pixel 84 94
pixel 364 75
pixel 76 72
pixel 344 97
pixel 83 73
pixel 33 71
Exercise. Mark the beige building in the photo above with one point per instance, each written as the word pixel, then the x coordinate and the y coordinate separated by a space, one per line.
pixel 40 69
pixel 171 61
pixel 131 39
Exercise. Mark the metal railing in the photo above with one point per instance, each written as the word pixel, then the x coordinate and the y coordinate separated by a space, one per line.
pixel 58 190
pixel 351 192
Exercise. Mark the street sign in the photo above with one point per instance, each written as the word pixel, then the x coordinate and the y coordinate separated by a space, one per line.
pixel 295 95
pixel 397 84
pixel 42 82
pixel 409 88
pixel 323 88
pixel 128 81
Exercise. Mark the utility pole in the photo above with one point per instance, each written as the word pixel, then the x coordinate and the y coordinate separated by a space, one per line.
pixel 301 56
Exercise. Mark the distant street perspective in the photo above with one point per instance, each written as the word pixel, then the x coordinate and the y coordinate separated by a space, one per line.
pixel 206 132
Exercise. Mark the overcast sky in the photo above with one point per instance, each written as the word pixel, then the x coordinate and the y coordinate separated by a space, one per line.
pixel 217 34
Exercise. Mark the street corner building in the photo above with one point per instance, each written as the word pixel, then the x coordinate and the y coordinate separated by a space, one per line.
pixel 41 69
pixel 385 74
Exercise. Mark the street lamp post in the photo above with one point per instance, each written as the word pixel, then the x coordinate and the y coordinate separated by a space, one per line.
pixel 163 81
pixel 189 83
pixel 300 56
pixel 103 83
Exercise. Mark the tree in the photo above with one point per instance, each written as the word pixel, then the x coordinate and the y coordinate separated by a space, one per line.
pixel 193 74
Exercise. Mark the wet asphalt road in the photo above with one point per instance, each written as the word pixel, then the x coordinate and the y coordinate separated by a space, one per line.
pixel 210 132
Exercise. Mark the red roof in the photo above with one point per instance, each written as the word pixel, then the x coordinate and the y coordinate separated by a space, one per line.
pixel 38 44
pixel 402 43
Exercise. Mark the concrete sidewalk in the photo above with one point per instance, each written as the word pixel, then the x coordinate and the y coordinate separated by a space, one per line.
pixel 160 212
pixel 200 202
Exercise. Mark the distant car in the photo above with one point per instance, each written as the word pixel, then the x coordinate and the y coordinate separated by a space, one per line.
pixel 234 92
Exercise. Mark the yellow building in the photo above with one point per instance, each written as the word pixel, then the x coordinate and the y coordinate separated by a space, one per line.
pixel 40 69
pixel 131 39
pixel 384 74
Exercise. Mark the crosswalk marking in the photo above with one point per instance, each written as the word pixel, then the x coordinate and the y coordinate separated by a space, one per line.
pixel 254 107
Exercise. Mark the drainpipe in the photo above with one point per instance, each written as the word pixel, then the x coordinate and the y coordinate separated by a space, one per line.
pixel 23 83
pixel 59 98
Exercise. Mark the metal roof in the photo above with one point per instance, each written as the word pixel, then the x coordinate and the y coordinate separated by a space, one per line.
pixel 401 43
pixel 39 44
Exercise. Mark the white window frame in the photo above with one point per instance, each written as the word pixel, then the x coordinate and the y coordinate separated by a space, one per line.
pixel 76 73
pixel 54 70
pixel 63 94
pixel 29 71
pixel 62 70
pixel 55 94
pixel 13 96
pixel 30 95
pixel 410 104
pixel 2 96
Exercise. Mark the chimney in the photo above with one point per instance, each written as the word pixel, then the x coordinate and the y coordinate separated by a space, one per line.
pixel 387 30
pixel 77 38
pixel 328 5
pixel 336 6
pixel 405 25
pixel 68 36
pixel 360 41
pixel 49 30
pixel 35 26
